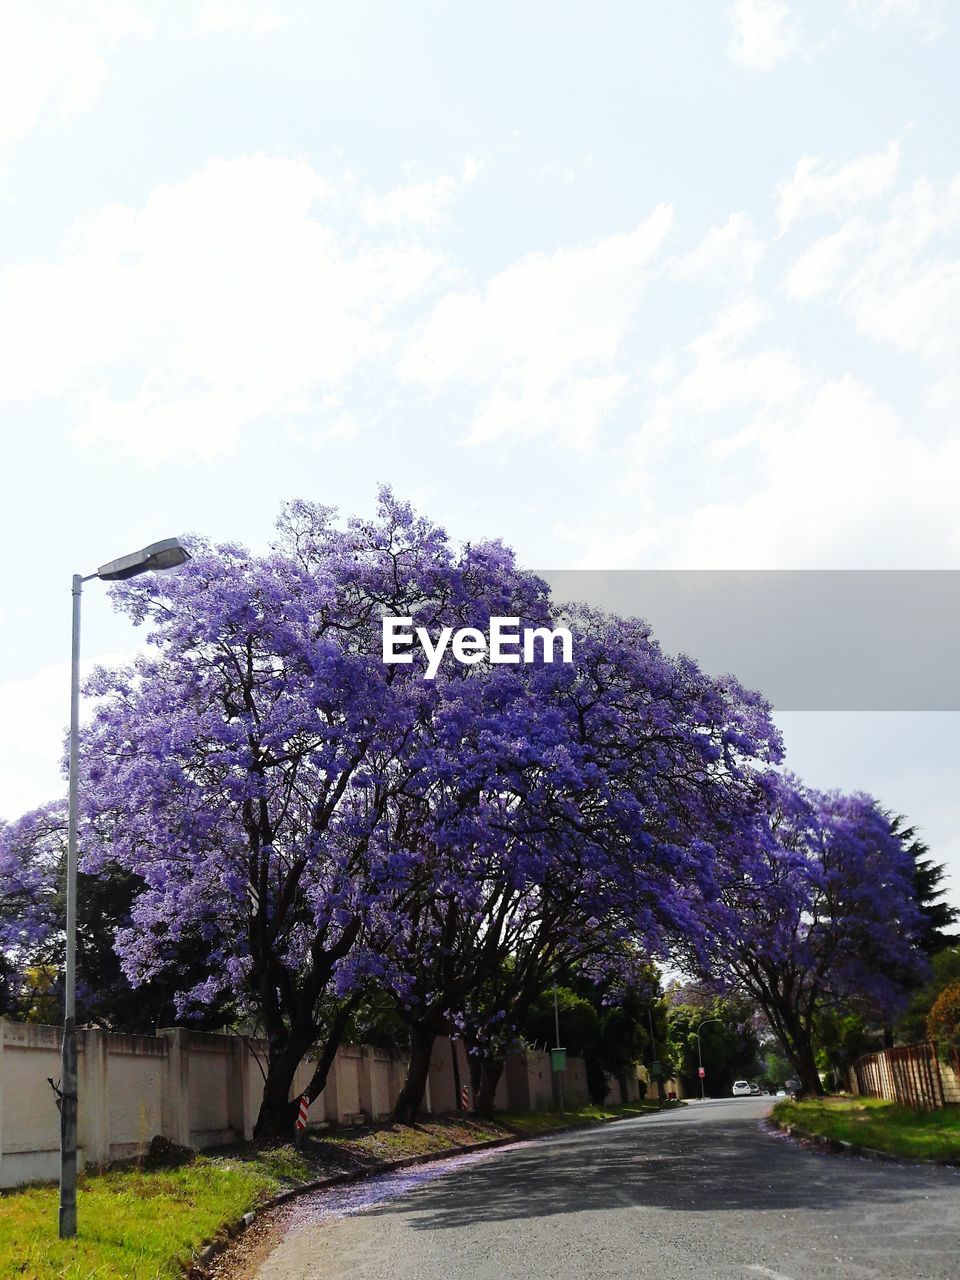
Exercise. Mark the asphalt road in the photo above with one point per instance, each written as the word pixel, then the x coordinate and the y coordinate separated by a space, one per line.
pixel 701 1192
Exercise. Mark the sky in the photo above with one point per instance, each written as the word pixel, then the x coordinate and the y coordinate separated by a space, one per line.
pixel 628 285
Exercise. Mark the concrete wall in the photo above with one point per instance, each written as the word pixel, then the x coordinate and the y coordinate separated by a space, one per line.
pixel 647 1088
pixel 529 1086
pixel 203 1090
pixel 29 1120
pixel 123 1086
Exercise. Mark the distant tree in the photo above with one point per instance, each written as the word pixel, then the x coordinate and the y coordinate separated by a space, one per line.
pixel 589 801
pixel 934 914
pixel 33 922
pixel 730 1047
pixel 775 1066
pixel 937 916
pixel 824 917
pixel 580 1026
pixel 603 1023
pixel 945 971
pixel 842 1037
pixel 944 1020
pixel 656 1050
pixel 30 872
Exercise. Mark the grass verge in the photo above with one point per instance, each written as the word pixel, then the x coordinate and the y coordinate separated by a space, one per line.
pixel 877 1124
pixel 133 1225
pixel 140 1225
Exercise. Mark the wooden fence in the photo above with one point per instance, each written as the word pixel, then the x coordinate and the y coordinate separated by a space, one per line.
pixel 912 1074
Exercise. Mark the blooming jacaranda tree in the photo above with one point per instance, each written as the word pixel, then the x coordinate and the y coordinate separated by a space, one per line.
pixel 32 851
pixel 33 858
pixel 821 915
pixel 592 803
pixel 249 770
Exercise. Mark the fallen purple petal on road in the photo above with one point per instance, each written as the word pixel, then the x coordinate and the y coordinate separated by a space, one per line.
pixel 342 1202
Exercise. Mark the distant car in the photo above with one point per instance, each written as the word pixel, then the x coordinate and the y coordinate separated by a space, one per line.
pixel 781 1093
pixel 741 1088
pixel 755 1090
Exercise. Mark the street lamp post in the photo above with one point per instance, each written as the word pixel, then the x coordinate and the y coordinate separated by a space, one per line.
pixel 700 1055
pixel 557 1075
pixel 654 1061
pixel 159 555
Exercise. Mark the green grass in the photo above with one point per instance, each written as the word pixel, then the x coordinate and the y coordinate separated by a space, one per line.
pixel 132 1225
pixel 880 1125
pixel 139 1225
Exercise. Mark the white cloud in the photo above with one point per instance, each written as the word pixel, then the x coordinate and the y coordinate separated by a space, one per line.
pixel 223 299
pixel 217 16
pixel 817 188
pixel 721 379
pixel 748 457
pixel 836 469
pixel 540 341
pixel 763 34
pixel 34 715
pixel 817 268
pixel 424 204
pixel 730 252
pixel 896 275
pixel 55 56
pixel 928 15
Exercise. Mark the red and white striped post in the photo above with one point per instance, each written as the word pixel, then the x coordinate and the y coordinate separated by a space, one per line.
pixel 302 1115
pixel 465 1098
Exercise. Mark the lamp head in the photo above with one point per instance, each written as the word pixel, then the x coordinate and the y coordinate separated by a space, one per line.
pixel 166 554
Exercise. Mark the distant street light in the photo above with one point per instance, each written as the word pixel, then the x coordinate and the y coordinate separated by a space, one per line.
pixel 159 555
pixel 703 1097
pixel 556 1060
pixel 655 1067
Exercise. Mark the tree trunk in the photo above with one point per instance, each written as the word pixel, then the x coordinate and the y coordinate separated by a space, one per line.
pixel 422 1037
pixel 475 1063
pixel 806 1065
pixel 596 1082
pixel 798 1044
pixel 318 1081
pixel 277 1112
pixel 491 1070
pixel 796 1038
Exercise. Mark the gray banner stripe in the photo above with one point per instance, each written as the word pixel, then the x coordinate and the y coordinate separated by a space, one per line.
pixel 809 640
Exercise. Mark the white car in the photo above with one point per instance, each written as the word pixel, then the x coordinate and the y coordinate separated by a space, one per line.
pixel 741 1088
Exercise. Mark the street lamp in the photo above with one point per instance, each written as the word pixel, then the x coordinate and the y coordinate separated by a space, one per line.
pixel 703 1097
pixel 159 555
pixel 558 1056
pixel 655 1067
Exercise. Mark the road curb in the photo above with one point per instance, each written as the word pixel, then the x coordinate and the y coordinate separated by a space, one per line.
pixel 840 1147
pixel 196 1268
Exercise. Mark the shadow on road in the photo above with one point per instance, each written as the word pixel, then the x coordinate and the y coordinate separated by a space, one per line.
pixel 686 1163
